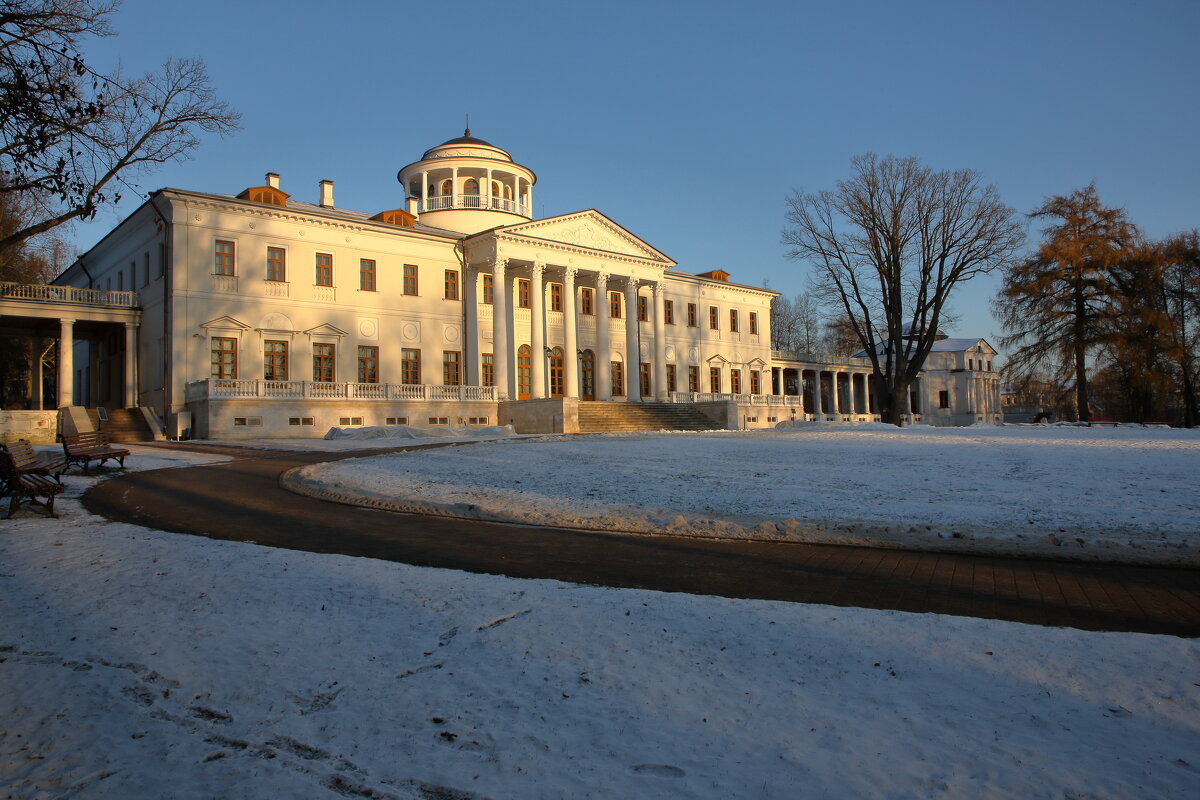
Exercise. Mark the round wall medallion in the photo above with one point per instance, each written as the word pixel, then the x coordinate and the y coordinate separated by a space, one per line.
pixel 670 352
pixel 644 350
pixel 368 328
pixel 410 331
pixel 253 225
pixel 693 354
pixel 451 333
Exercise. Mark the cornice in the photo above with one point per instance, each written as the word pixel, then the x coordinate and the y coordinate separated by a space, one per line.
pixel 192 201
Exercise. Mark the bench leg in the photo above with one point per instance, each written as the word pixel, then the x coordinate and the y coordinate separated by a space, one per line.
pixel 13 505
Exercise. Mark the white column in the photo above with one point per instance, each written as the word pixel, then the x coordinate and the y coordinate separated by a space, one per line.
pixel 633 356
pixel 488 192
pixel 529 199
pixel 850 392
pixel 570 340
pixel 500 349
pixel 454 188
pixel 471 338
pixel 660 343
pixel 424 190
pixel 131 361
pixel 66 362
pixel 537 337
pixel 603 359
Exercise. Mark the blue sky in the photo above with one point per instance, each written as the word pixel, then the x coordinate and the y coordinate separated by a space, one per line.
pixel 690 122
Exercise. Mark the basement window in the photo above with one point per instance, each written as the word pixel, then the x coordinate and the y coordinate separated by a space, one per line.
pixel 439 420
pixel 249 422
pixel 350 421
pixel 300 421
pixel 397 420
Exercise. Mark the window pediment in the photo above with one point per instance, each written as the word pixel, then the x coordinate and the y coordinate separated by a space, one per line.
pixel 326 330
pixel 225 324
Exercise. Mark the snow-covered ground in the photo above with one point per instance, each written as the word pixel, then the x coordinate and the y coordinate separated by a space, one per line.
pixel 1112 494
pixel 141 664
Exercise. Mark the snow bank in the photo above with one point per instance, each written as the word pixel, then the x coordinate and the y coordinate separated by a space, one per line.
pixel 140 664
pixel 1114 494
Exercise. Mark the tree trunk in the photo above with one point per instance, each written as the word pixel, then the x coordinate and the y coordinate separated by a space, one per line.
pixel 1081 387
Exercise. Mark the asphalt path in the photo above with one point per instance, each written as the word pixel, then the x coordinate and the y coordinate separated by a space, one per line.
pixel 241 500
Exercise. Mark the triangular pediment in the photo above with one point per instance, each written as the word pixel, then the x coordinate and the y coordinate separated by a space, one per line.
pixel 226 323
pixel 589 230
pixel 325 329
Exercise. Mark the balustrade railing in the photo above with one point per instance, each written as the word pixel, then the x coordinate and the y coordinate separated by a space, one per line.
pixel 67 294
pixel 321 390
pixel 442 202
pixel 740 399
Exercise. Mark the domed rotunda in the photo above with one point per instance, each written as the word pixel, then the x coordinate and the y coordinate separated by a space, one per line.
pixel 469 185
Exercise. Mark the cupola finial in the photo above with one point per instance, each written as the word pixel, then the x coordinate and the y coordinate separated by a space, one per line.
pixel 467 132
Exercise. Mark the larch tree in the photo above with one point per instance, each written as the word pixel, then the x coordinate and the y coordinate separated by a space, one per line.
pixel 71 136
pixel 889 246
pixel 1054 304
pixel 796 323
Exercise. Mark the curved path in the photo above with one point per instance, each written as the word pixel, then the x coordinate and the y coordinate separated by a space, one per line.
pixel 241 500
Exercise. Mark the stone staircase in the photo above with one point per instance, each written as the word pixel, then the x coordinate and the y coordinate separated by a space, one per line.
pixel 597 417
pixel 122 425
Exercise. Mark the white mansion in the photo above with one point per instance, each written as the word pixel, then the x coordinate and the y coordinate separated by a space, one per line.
pixel 255 315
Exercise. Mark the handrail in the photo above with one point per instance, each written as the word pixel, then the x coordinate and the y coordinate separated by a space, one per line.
pixel 67 294
pixel 443 202
pixel 324 390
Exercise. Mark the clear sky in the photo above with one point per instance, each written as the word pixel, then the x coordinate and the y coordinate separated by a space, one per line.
pixel 690 122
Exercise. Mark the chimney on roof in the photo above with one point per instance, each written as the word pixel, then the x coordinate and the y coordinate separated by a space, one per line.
pixel 327 194
pixel 411 205
pixel 273 180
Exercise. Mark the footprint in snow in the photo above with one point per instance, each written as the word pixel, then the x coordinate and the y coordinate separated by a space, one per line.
pixel 659 770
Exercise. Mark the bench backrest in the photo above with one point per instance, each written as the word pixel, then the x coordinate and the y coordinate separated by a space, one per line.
pixel 22 455
pixel 89 440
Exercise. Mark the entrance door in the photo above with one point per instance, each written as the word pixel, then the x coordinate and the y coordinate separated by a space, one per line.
pixel 524 371
pixel 556 372
pixel 587 374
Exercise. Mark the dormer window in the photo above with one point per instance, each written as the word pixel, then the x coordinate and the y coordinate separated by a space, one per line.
pixel 397 217
pixel 267 195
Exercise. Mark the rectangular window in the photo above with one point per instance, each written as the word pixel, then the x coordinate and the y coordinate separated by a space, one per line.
pixel 120 281
pixel 410 279
pixel 451 371
pixel 614 305
pixel 943 399
pixel 275 361
pixel 643 309
pixel 753 323
pixel 224 358
pixel 691 315
pixel 397 421
pixel 671 378
pixel 366 275
pixel 323 363
pixel 146 269
pixel 644 378
pixel 618 379
pixel 162 259
pixel 735 381
pixel 410 366
pixel 556 297
pixel 487 290
pixel 439 420
pixel 714 318
pixel 224 258
pixel 733 320
pixel 368 364
pixel 669 312
pixel 693 378
pixel 522 293
pixel 276 264
pixel 586 306
pixel 451 284
pixel 489 374
pixel 714 380
pixel 324 269
pixel 755 386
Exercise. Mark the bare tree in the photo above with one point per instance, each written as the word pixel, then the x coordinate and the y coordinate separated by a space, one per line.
pixel 889 246
pixel 71 137
pixel 796 323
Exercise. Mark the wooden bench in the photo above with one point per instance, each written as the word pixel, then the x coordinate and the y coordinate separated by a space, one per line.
pixel 21 486
pixel 25 461
pixel 84 448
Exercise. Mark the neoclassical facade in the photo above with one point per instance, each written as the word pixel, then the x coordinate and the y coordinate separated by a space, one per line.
pixel 265 315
